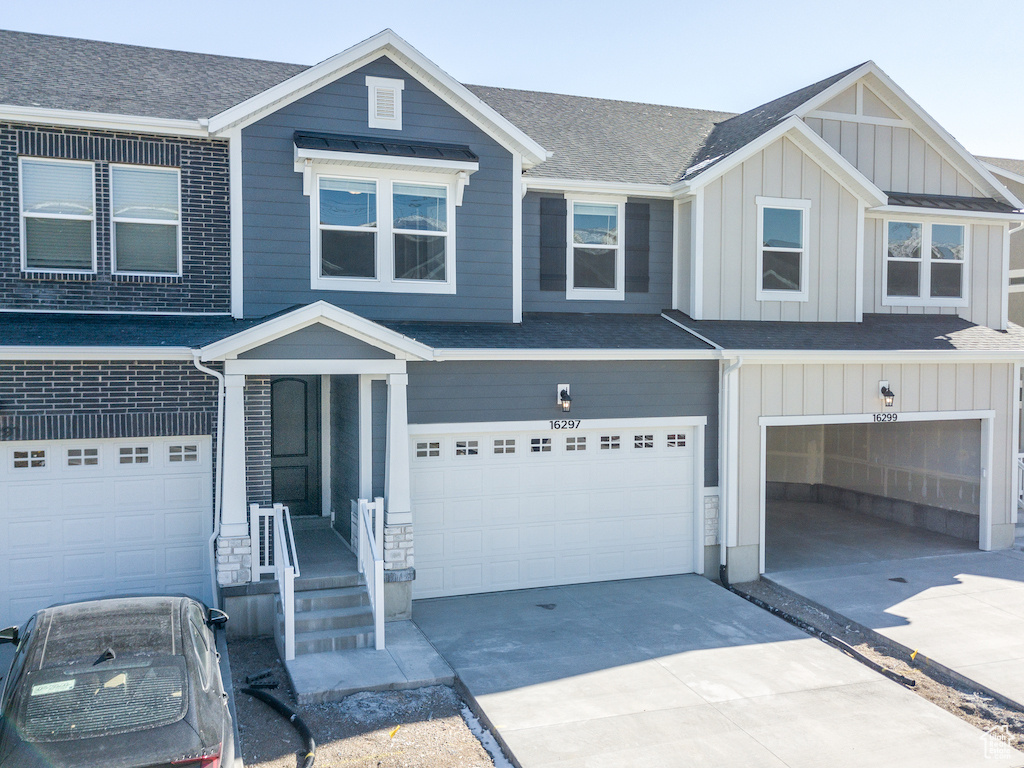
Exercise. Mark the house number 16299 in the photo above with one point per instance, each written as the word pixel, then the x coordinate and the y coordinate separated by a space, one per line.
pixel 887 417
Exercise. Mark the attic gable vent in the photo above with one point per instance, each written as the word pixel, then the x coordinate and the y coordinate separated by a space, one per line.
pixel 384 96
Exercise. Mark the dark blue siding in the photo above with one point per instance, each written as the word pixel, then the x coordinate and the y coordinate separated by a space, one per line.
pixel 276 213
pixel 659 296
pixel 478 391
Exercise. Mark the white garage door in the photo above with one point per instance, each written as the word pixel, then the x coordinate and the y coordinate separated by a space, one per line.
pixel 511 510
pixel 84 518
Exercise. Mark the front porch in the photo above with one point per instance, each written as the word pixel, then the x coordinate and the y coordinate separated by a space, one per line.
pixel 314 418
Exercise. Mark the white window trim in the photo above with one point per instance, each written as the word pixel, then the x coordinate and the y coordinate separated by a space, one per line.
pixel 116 220
pixel 22 216
pixel 795 204
pixel 925 299
pixel 385 280
pixel 373 84
pixel 618 293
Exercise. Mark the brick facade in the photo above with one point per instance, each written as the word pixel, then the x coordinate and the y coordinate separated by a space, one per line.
pixel 203 287
pixel 257 441
pixel 60 400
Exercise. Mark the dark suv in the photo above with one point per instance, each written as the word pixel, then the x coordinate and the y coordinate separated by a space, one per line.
pixel 122 683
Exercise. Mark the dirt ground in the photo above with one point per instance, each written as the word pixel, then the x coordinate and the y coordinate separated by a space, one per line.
pixel 422 728
pixel 975 707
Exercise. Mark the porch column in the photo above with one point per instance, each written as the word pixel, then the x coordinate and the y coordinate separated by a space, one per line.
pixel 396 471
pixel 233 520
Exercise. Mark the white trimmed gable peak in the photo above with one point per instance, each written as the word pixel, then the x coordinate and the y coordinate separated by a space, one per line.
pixel 389 44
pixel 868 97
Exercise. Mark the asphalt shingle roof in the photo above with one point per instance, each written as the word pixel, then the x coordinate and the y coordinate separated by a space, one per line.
pixel 1006 163
pixel 736 132
pixel 877 333
pixel 543 330
pixel 73 330
pixel 68 73
pixel 605 140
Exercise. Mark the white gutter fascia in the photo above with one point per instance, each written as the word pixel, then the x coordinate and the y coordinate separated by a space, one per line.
pixel 103 121
pixel 31 352
pixel 544 184
pixel 441 355
pixel 909 356
pixel 218 486
pixel 1016 229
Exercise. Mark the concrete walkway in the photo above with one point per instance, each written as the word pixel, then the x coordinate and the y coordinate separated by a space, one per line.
pixel 677 671
pixel 958 606
pixel 964 611
pixel 407 661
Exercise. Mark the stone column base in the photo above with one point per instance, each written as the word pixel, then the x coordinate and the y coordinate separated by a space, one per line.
pixel 397 547
pixel 234 560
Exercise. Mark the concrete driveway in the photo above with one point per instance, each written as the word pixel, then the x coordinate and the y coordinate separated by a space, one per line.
pixel 965 610
pixel 677 671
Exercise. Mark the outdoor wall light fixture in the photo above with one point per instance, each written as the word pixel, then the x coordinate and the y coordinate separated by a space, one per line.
pixel 887 394
pixel 564 400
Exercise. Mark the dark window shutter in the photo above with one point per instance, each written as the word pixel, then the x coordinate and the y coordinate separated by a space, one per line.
pixel 553 243
pixel 638 247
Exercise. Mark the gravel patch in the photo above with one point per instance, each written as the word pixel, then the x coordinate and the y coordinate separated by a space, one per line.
pixel 1004 723
pixel 421 728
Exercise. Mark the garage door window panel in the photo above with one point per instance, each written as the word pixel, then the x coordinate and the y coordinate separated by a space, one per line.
pixel 133 454
pixel 33 458
pixel 504 446
pixel 83 457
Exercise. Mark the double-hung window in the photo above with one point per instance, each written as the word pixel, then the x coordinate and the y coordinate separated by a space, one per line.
pixel 146 219
pixel 595 266
pixel 924 264
pixel 782 234
pixel 58 216
pixel 386 233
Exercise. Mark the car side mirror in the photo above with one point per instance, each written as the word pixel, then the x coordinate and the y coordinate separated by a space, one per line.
pixel 10 635
pixel 217 618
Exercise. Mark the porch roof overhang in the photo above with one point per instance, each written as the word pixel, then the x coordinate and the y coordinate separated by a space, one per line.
pixel 323 313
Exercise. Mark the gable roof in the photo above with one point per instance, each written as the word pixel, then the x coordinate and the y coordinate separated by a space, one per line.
pixel 389 44
pixel 736 132
pixel 50 72
pixel 606 140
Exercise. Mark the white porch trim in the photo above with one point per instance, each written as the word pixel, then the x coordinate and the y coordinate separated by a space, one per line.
pixel 233 505
pixel 397 495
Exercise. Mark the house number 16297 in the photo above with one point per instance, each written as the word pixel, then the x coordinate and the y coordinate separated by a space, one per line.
pixel 565 424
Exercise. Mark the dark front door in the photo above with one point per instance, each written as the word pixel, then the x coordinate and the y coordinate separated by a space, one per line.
pixel 295 443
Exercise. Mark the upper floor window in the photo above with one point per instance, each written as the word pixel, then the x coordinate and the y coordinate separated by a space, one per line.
pixel 387 233
pixel 924 264
pixel 146 219
pixel 782 234
pixel 58 216
pixel 596 260
pixel 384 97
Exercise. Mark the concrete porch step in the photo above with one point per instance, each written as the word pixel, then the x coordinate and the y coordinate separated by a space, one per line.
pixel 333 640
pixel 334 618
pixel 334 581
pixel 341 597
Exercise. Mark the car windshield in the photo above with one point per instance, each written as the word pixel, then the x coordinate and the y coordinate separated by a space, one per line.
pixel 59 704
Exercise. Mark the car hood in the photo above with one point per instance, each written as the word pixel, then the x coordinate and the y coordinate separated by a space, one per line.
pixel 138 749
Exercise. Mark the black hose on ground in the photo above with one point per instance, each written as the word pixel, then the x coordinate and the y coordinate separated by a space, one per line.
pixel 822 635
pixel 293 718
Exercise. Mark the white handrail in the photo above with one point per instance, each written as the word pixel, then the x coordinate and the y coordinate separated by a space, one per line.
pixel 370 554
pixel 1020 482
pixel 286 568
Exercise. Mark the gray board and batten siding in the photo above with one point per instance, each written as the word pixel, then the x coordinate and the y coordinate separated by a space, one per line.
pixel 276 216
pixel 649 294
pixel 458 392
pixel 316 342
